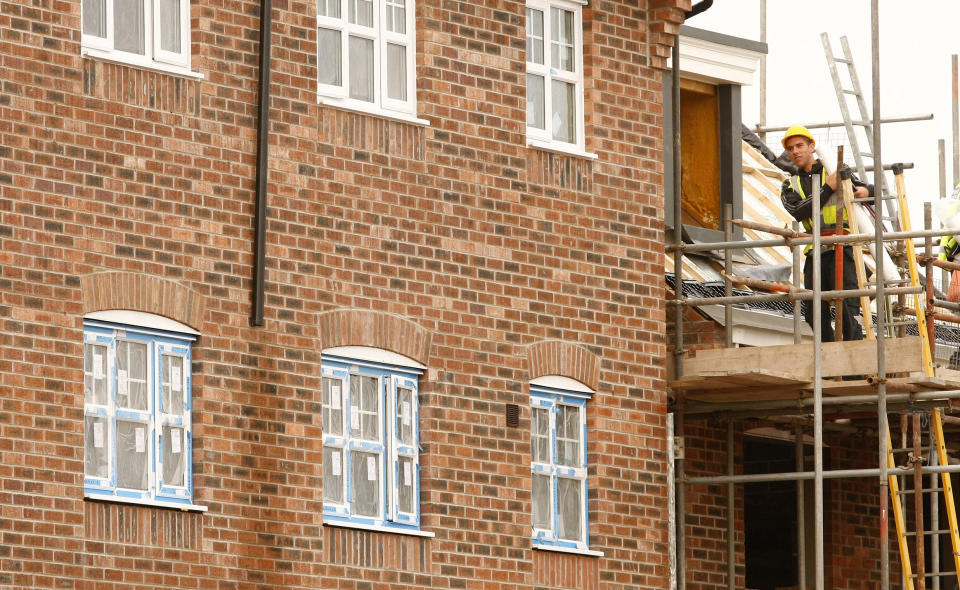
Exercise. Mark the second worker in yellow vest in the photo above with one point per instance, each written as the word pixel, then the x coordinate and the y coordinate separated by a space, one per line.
pixel 795 196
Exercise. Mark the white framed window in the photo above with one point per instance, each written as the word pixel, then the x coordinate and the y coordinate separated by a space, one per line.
pixel 137 413
pixel 555 74
pixel 366 55
pixel 371 458
pixel 148 33
pixel 558 466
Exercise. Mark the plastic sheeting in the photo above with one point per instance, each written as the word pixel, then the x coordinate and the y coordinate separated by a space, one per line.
pixel 365 479
pixel 570 505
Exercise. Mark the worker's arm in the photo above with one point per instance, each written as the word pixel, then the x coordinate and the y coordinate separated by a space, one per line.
pixel 861 190
pixel 794 204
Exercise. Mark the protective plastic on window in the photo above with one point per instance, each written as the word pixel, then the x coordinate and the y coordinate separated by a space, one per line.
pixel 133 444
pixel 95 18
pixel 365 480
pixel 396 71
pixel 172 383
pixel 333 475
pixel 174 455
pixel 361 68
pixel 364 398
pixel 170 25
pixel 540 435
pixel 329 66
pixel 569 434
pixel 561 39
pixel 128 28
pixel 405 415
pixel 96 457
pixel 332 404
pixel 542 512
pixel 534 36
pixel 131 375
pixel 396 16
pixel 405 484
pixel 570 506
pixel 563 122
pixel 95 374
pixel 361 12
pixel 330 8
pixel 535 101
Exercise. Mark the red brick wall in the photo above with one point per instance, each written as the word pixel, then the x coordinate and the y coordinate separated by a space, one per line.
pixel 120 186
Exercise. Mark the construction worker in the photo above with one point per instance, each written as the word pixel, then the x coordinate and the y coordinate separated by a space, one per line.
pixel 795 195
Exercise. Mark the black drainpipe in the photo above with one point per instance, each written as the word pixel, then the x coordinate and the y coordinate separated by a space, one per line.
pixel 700 7
pixel 263 144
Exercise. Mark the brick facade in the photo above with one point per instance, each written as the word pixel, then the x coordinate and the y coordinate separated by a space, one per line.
pixel 452 243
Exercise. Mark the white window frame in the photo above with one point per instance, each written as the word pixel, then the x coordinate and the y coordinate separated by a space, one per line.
pixel 551 399
pixel 388 447
pixel 381 104
pixel 543 138
pixel 154 57
pixel 108 335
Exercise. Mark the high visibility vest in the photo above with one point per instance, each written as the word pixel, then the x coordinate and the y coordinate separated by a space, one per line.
pixel 828 214
pixel 948 248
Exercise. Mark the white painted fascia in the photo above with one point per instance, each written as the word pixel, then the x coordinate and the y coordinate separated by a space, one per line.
pixel 758 328
pixel 717 64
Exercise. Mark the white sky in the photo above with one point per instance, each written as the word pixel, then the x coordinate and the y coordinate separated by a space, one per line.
pixel 917 40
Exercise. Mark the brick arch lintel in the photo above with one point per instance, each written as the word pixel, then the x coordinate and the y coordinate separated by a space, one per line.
pixel 377 329
pixel 142 292
pixel 555 357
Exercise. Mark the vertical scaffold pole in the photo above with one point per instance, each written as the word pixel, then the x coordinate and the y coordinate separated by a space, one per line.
pixel 678 317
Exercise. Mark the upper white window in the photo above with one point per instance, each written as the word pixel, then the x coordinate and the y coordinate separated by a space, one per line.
pixel 141 32
pixel 559 467
pixel 371 437
pixel 366 54
pixel 555 74
pixel 137 427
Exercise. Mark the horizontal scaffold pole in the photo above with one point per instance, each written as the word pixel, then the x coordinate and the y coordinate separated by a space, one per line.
pixel 798 296
pixel 834 400
pixel 802 475
pixel 806 240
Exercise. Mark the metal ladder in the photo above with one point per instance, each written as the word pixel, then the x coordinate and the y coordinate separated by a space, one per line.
pixel 864 121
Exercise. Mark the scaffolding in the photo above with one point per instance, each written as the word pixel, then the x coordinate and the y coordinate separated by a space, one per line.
pixel 884 362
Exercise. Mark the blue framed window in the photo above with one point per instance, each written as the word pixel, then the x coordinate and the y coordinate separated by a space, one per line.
pixel 137 428
pixel 558 467
pixel 371 458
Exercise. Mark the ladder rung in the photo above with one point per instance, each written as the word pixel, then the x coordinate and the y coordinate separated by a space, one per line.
pixel 841 60
pixel 924 491
pixel 870 200
pixel 866 154
pixel 853 92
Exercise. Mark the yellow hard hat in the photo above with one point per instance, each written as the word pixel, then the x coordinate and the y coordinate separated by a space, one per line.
pixel 797 130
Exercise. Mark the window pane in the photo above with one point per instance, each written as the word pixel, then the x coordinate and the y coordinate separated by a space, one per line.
pixel 361 12
pixel 534 36
pixel 542 517
pixel 535 101
pixel 569 434
pixel 364 407
pixel 329 66
pixel 95 374
pixel 361 69
pixel 564 111
pixel 405 493
pixel 132 455
pixel 170 25
pixel 95 18
pixel 561 39
pixel 570 506
pixel 128 25
pixel 96 443
pixel 132 375
pixel 396 16
pixel 172 384
pixel 330 8
pixel 405 415
pixel 332 401
pixel 174 453
pixel 396 71
pixel 540 442
pixel 365 480
pixel 333 475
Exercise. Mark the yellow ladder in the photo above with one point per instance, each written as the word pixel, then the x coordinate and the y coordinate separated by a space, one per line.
pixel 935 418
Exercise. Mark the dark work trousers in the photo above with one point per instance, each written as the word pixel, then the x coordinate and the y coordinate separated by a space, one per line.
pixel 851 306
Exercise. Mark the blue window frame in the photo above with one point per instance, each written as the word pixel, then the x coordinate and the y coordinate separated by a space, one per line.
pixel 559 467
pixel 137 401
pixel 371 459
